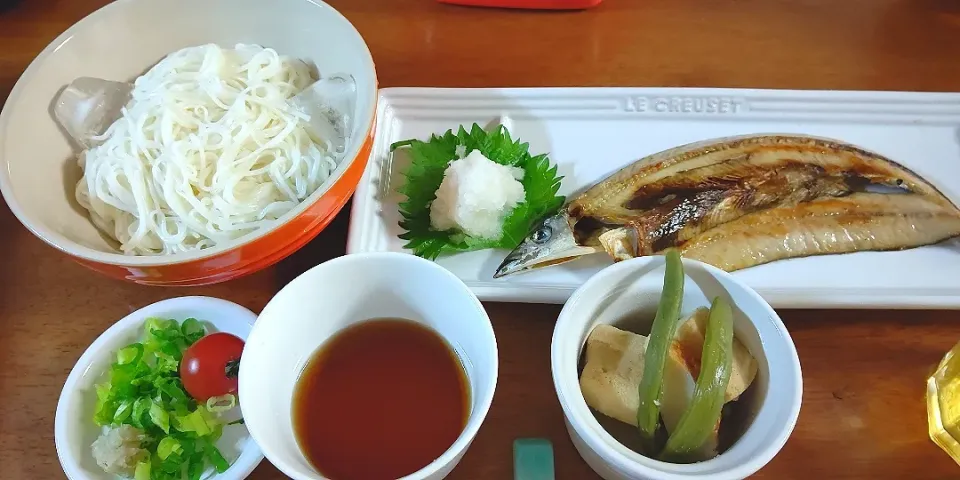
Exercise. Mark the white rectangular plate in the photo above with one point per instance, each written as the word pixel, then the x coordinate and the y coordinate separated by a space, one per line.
pixel 592 132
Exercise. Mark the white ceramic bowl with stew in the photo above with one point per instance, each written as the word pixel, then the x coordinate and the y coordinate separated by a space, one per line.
pixel 341 293
pixel 628 292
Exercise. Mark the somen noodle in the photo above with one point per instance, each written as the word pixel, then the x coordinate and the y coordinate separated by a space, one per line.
pixel 208 148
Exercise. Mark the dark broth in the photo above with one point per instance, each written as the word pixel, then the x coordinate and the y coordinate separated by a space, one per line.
pixel 380 400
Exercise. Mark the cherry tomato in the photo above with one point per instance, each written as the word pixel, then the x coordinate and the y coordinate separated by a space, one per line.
pixel 210 366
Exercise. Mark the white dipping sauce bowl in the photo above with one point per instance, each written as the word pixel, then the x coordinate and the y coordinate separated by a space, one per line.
pixel 343 292
pixel 630 290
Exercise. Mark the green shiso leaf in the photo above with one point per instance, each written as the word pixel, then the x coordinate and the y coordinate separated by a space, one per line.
pixel 429 160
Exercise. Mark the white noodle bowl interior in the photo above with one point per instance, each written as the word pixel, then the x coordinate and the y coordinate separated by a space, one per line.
pixel 208 149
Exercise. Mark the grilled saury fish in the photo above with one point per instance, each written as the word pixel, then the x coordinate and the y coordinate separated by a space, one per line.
pixel 742 201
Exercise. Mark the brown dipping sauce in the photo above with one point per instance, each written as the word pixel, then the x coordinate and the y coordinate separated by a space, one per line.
pixel 380 400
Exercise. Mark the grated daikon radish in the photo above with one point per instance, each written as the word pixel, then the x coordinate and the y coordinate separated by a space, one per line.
pixel 476 195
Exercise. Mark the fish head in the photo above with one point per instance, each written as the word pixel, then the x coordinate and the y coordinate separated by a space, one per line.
pixel 550 242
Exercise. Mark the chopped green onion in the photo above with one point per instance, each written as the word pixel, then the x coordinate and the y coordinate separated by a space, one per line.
pixel 130 354
pixel 188 444
pixel 221 404
pixel 195 467
pixel 123 411
pixel 172 465
pixel 140 408
pixel 167 446
pixel 143 471
pixel 216 458
pixel 122 377
pixel 154 324
pixel 103 391
pixel 106 407
pixel 192 330
pixel 216 433
pixel 159 417
pixel 172 390
pixel 195 422
pixel 167 363
pixel 105 412
pixel 144 390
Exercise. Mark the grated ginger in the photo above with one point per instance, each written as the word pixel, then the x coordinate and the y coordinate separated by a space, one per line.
pixel 117 450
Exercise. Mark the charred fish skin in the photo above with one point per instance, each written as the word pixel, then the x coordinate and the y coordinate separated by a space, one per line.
pixel 729 154
pixel 686 211
pixel 858 222
pixel 672 197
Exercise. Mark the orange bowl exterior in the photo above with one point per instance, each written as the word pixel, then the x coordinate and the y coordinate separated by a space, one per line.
pixel 258 253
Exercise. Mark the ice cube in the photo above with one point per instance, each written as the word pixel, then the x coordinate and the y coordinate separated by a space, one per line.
pixel 87 106
pixel 330 103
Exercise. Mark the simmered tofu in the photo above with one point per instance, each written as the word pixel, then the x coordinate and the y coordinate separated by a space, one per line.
pixel 614 367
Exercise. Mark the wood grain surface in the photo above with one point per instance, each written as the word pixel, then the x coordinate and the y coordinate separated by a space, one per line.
pixel 863 412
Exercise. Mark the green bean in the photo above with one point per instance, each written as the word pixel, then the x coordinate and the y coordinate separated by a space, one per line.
pixel 700 419
pixel 661 334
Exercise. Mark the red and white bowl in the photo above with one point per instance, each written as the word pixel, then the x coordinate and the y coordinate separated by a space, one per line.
pixel 38 169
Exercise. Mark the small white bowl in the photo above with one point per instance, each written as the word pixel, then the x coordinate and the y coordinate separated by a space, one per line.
pixel 342 292
pixel 630 290
pixel 74 430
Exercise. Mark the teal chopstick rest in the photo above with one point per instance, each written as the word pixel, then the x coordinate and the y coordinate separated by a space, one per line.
pixel 532 459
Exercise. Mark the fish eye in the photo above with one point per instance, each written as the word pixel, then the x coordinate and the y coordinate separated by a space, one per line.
pixel 542 234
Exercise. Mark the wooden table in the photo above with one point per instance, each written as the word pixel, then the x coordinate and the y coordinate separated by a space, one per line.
pixel 863 413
